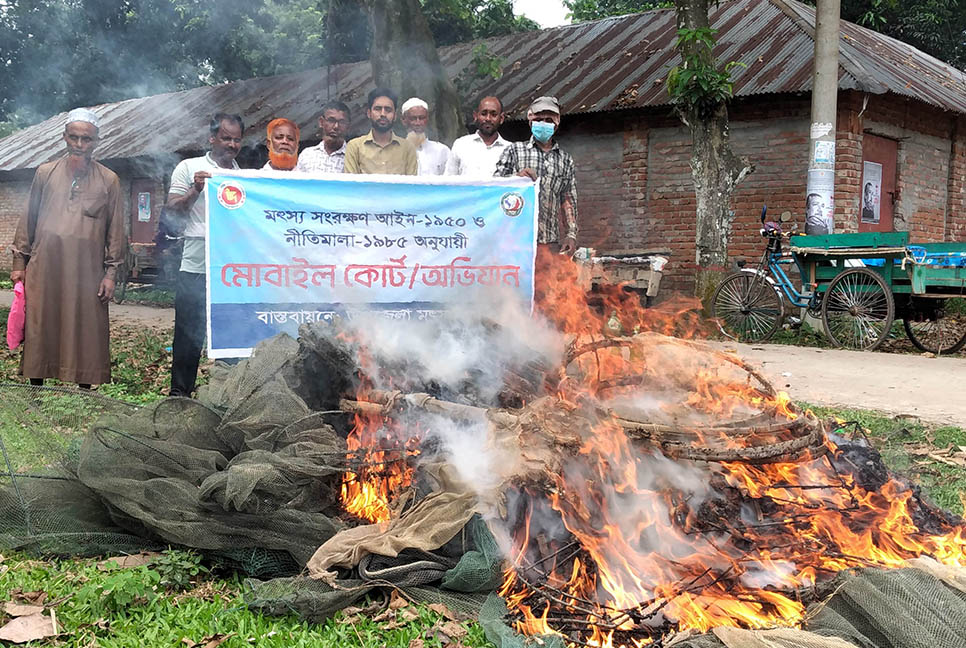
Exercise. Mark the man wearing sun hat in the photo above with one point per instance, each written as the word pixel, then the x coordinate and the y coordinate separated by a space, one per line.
pixel 66 250
pixel 541 157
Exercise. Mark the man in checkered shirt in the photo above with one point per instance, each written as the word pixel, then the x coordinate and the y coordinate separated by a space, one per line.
pixel 328 156
pixel 541 157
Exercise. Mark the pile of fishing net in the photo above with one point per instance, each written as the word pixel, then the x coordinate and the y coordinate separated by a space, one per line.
pixel 248 475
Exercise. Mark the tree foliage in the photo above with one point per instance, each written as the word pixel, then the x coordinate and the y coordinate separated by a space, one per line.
pixel 581 10
pixel 57 54
pixel 937 27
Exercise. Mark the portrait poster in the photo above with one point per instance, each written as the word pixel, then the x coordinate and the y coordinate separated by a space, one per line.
pixel 144 207
pixel 871 191
pixel 820 202
pixel 284 249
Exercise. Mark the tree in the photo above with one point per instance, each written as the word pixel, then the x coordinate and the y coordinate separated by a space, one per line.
pixel 404 58
pixel 937 27
pixel 58 54
pixel 581 10
pixel 701 92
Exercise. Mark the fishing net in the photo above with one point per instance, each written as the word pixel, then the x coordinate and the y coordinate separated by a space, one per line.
pixel 249 475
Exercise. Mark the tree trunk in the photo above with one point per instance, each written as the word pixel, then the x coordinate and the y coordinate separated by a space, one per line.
pixel 403 57
pixel 715 169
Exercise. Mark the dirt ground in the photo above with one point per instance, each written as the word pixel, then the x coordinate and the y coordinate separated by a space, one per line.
pixel 931 389
pixel 899 384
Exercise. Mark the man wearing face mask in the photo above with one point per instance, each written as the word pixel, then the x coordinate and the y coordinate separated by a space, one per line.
pixel 432 155
pixel 283 145
pixel 66 251
pixel 328 156
pixel 184 196
pixel 541 157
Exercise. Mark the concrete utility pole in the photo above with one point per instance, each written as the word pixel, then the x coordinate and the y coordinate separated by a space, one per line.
pixel 820 195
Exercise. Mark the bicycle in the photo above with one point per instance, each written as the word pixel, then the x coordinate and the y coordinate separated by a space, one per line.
pixel 856 306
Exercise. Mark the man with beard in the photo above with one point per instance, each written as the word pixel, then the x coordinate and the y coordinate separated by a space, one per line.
pixel 477 154
pixel 541 157
pixel 328 156
pixel 381 150
pixel 66 251
pixel 187 183
pixel 431 155
pixel 283 145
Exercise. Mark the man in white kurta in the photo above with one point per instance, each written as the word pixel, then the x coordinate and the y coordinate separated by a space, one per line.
pixel 432 155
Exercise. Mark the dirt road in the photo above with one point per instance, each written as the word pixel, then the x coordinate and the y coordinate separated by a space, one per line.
pixel 130 313
pixel 929 388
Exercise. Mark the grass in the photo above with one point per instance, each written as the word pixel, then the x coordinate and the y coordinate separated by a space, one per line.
pixel 149 295
pixel 212 606
pixel 140 362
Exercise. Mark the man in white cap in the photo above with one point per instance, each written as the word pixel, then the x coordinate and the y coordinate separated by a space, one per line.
pixel 432 155
pixel 66 250
pixel 541 157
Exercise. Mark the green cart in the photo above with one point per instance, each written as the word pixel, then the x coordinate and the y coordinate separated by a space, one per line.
pixel 857 284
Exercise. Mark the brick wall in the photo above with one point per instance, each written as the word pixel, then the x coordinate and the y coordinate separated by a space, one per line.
pixel 773 135
pixel 956 206
pixel 13 203
pixel 597 146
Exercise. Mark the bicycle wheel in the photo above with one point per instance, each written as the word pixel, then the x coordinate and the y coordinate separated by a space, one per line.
pixel 747 307
pixel 940 329
pixel 858 309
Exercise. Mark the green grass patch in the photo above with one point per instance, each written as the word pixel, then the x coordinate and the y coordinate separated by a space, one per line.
pixel 120 608
pixel 149 295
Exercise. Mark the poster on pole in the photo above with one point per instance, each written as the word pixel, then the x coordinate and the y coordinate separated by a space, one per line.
pixel 820 202
pixel 871 191
pixel 284 249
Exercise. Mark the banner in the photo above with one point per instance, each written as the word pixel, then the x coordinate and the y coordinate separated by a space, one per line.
pixel 286 248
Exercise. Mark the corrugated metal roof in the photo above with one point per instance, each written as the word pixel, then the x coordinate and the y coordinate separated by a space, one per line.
pixel 611 64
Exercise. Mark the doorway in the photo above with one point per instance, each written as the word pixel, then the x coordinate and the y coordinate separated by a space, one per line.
pixel 878 190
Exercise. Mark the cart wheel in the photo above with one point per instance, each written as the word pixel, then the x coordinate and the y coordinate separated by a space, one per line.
pixel 940 331
pixel 858 309
pixel 747 307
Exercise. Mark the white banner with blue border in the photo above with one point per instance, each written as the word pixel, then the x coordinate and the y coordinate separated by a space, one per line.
pixel 284 249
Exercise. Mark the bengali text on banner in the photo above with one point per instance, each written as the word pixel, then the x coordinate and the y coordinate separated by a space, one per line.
pixel 284 249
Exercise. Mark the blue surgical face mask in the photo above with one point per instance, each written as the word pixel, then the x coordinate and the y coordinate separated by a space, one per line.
pixel 542 131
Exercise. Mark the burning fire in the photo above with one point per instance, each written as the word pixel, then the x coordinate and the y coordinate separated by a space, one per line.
pixel 622 544
pixel 382 451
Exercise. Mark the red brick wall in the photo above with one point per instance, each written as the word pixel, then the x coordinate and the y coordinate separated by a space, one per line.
pixel 925 152
pixel 13 203
pixel 597 145
pixel 956 207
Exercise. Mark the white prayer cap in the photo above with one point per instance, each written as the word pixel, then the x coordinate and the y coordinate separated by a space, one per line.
pixel 414 102
pixel 83 115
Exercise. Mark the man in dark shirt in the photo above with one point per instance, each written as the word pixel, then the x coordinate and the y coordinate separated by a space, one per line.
pixel 541 157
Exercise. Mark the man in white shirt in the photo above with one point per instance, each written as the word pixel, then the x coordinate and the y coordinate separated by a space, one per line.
pixel 477 154
pixel 187 183
pixel 432 155
pixel 328 156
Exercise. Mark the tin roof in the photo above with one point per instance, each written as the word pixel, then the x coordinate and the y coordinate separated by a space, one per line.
pixel 612 64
